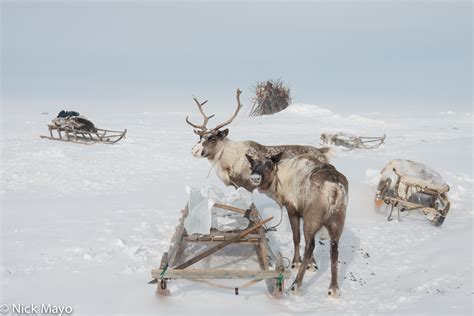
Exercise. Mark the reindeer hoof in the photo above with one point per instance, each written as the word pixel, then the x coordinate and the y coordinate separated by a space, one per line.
pixel 311 267
pixel 295 289
pixel 333 292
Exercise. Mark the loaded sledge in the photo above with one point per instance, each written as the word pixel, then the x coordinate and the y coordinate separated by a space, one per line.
pixel 411 186
pixel 182 254
pixel 70 126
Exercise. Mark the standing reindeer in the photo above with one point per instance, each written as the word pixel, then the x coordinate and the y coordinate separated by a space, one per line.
pixel 228 156
pixel 310 190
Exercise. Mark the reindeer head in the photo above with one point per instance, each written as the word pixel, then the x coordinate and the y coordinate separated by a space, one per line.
pixel 263 169
pixel 211 140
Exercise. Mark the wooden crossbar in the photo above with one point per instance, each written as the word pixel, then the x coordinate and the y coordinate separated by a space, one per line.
pixel 218 274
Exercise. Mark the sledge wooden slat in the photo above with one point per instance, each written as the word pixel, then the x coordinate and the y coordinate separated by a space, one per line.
pixel 217 240
pixel 230 208
pixel 177 237
pixel 370 137
pixel 263 255
pixel 218 247
pixel 87 142
pixel 255 216
pixel 106 130
pixel 370 140
pixel 218 274
pixel 392 200
pixel 222 237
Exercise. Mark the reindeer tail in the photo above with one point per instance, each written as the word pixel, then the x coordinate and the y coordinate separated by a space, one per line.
pixel 326 154
pixel 337 196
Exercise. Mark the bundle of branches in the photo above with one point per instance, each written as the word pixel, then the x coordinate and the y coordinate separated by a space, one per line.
pixel 271 96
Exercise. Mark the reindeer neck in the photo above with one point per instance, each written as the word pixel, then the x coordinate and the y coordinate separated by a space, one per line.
pixel 277 185
pixel 273 189
pixel 279 188
pixel 215 158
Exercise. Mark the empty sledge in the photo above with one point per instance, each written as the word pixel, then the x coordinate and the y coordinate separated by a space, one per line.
pixel 352 141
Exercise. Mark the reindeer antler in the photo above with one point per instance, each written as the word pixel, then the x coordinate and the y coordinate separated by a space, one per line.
pixel 202 127
pixel 239 107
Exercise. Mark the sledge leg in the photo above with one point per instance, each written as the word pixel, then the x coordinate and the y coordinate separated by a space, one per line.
pixel 162 286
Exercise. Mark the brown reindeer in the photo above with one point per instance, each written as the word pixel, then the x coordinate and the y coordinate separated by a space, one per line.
pixel 228 157
pixel 310 190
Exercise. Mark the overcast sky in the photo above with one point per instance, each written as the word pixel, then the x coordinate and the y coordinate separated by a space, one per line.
pixel 348 56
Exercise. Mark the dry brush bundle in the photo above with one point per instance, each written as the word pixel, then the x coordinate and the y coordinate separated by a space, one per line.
pixel 271 96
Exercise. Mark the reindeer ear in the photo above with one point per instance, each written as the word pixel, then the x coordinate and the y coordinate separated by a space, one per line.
pixel 249 159
pixel 223 133
pixel 276 158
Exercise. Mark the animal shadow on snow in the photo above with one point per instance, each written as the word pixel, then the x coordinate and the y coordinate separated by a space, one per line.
pixel 349 245
pixel 282 240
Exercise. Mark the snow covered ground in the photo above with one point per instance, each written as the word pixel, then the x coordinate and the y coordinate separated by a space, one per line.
pixel 84 225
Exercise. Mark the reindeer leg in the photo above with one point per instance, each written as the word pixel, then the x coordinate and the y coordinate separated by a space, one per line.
pixel 334 287
pixel 295 228
pixel 308 253
pixel 310 228
pixel 312 266
pixel 335 233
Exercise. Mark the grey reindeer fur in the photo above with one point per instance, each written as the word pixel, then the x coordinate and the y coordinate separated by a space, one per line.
pixel 312 191
pixel 228 157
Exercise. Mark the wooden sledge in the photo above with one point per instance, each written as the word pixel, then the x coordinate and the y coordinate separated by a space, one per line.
pixel 409 193
pixel 67 134
pixel 352 142
pixel 173 266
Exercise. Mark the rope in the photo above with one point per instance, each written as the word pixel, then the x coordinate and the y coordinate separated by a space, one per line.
pixel 162 274
pixel 281 219
pixel 280 279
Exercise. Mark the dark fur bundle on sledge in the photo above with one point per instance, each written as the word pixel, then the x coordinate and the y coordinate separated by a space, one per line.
pixel 67 113
pixel 271 96
pixel 75 122
pixel 83 124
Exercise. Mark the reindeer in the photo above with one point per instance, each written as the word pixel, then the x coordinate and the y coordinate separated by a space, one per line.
pixel 228 157
pixel 310 190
